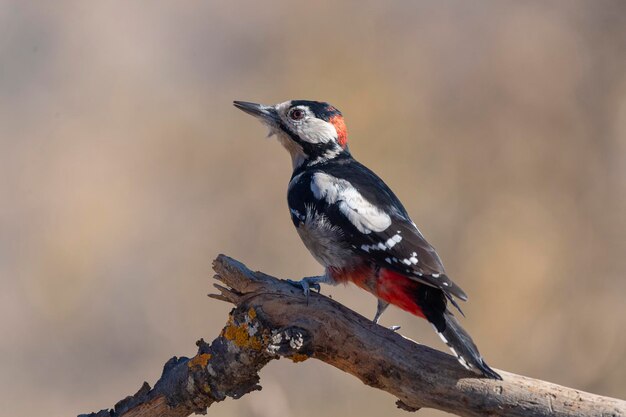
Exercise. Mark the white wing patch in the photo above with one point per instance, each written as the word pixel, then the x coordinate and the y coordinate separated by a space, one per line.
pixel 365 216
pixel 390 243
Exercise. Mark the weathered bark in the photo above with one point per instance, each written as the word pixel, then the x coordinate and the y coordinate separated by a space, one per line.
pixel 271 319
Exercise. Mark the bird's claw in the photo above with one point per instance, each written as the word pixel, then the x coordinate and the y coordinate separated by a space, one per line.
pixel 382 306
pixel 306 284
pixel 315 286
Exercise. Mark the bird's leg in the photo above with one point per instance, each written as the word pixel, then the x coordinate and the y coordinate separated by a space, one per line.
pixel 382 306
pixel 307 283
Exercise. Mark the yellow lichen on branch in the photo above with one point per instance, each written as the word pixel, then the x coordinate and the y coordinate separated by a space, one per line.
pixel 200 360
pixel 298 357
pixel 243 335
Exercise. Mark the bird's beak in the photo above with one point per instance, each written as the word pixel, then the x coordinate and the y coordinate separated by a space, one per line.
pixel 265 113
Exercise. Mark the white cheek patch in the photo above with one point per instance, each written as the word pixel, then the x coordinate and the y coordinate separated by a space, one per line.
pixel 365 216
pixel 314 130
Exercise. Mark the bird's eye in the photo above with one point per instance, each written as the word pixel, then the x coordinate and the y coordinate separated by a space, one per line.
pixel 296 114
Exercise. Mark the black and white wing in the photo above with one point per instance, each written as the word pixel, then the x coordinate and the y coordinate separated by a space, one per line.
pixel 376 224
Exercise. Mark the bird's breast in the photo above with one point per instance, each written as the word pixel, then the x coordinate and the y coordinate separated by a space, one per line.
pixel 324 240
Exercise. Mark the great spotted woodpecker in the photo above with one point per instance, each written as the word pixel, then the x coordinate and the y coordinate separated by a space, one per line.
pixel 356 227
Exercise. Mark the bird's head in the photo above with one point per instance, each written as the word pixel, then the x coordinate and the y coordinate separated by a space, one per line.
pixel 311 131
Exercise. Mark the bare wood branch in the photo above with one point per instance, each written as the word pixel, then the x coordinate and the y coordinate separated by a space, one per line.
pixel 271 319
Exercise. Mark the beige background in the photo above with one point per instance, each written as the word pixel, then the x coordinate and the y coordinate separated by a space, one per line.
pixel 124 170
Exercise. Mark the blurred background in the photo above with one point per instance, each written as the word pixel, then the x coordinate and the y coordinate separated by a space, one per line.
pixel 124 170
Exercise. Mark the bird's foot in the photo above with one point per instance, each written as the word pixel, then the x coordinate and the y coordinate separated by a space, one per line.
pixel 307 283
pixel 382 306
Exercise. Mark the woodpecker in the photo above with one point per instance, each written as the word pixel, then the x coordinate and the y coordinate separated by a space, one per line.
pixel 356 227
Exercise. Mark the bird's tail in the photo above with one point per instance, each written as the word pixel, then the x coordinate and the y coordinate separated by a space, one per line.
pixel 432 304
pixel 462 345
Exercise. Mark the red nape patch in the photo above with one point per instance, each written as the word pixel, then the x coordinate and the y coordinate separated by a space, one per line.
pixel 398 290
pixel 342 131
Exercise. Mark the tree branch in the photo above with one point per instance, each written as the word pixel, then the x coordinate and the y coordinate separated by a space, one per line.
pixel 271 319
